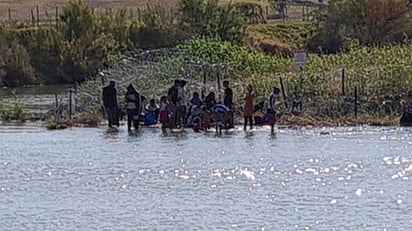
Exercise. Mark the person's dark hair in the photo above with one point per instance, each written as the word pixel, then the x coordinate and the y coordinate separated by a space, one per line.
pixel 130 88
pixel 183 82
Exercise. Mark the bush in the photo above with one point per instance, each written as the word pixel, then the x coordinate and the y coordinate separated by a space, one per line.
pixel 369 23
pixel 211 19
pixel 76 20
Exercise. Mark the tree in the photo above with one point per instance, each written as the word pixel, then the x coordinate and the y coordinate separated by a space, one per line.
pixel 377 22
pixel 211 19
pixel 76 20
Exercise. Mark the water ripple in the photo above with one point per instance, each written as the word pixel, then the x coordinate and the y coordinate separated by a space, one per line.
pixel 304 179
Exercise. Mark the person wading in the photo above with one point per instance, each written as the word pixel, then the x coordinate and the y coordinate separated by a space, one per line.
pixel 248 108
pixel 133 107
pixel 110 103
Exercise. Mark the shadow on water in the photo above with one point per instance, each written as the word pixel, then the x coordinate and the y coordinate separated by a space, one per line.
pixel 112 133
pixel 174 135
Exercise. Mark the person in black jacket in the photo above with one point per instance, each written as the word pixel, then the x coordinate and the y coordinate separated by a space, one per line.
pixel 228 95
pixel 110 103
pixel 133 107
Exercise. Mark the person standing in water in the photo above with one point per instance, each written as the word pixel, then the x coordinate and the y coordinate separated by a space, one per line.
pixel 228 95
pixel 164 113
pixel 228 100
pixel 248 108
pixel 221 115
pixel 133 107
pixel 271 110
pixel 110 103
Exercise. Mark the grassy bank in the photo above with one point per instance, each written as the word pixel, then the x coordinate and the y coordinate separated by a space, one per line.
pixel 213 40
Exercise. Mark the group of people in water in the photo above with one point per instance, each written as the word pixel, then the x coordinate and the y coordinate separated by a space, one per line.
pixel 176 111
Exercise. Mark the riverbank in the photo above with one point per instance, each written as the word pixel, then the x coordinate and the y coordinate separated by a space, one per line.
pixel 284 120
pixel 376 78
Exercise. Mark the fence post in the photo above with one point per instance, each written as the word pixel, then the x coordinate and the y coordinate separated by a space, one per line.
pixel 267 12
pixel 37 14
pixel 102 79
pixel 203 92
pixel 356 101
pixel 303 13
pixel 70 102
pixel 57 101
pixel 57 16
pixel 218 85
pixel 343 81
pixel 33 20
pixel 283 92
pixel 9 11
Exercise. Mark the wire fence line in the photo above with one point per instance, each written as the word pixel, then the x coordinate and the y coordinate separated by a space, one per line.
pixel 50 13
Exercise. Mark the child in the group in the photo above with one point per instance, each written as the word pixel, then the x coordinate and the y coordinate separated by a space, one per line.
pixel 152 112
pixel 197 123
pixel 221 116
pixel 206 117
pixel 164 113
pixel 258 113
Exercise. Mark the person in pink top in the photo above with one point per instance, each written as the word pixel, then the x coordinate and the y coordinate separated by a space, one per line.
pixel 248 108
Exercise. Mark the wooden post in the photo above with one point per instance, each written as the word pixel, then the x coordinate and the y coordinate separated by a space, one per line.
pixel 356 101
pixel 343 81
pixel 102 79
pixel 218 85
pixel 70 102
pixel 9 11
pixel 301 76
pixel 33 20
pixel 57 101
pixel 131 14
pixel 57 14
pixel 38 14
pixel 204 85
pixel 303 13
pixel 267 12
pixel 283 92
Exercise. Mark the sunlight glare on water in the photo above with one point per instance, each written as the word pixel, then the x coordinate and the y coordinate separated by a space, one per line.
pixel 349 178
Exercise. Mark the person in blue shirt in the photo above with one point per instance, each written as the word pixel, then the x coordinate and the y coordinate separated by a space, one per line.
pixel 195 100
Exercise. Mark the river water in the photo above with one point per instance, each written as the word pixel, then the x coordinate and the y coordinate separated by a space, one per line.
pixel 353 178
pixel 37 101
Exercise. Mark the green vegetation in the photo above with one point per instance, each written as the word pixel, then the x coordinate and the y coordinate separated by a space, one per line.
pixel 368 41
pixel 81 43
pixel 14 111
